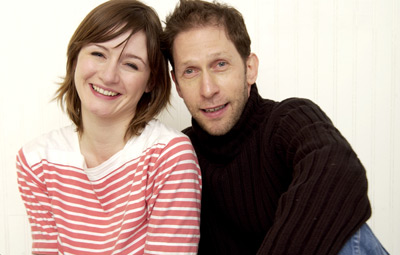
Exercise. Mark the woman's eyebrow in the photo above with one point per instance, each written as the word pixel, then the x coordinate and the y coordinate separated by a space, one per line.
pixel 130 55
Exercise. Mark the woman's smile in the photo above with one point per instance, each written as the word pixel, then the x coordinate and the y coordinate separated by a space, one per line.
pixel 104 92
pixel 112 76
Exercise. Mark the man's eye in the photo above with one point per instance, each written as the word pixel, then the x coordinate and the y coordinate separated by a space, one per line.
pixel 189 71
pixel 221 64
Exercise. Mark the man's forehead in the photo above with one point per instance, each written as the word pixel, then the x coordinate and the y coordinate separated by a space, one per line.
pixel 210 39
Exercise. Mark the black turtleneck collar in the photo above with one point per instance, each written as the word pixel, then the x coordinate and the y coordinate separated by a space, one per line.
pixel 224 148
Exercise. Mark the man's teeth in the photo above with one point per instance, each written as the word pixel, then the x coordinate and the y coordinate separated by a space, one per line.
pixel 214 109
pixel 104 92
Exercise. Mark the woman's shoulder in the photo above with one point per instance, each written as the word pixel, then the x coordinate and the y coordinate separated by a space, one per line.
pixel 155 136
pixel 61 138
pixel 159 132
pixel 59 142
pixel 155 133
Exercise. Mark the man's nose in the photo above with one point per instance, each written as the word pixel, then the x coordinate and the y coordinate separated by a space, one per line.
pixel 208 86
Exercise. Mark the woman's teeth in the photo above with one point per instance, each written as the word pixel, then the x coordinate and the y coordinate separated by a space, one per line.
pixel 104 92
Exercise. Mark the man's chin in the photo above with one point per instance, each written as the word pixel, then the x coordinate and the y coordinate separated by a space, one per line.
pixel 215 129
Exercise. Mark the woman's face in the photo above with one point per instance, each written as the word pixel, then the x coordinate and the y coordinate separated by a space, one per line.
pixel 111 77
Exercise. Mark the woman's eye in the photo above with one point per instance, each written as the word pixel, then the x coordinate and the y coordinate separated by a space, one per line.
pixel 133 66
pixel 97 54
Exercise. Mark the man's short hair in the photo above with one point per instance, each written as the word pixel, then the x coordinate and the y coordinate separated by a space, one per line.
pixel 197 13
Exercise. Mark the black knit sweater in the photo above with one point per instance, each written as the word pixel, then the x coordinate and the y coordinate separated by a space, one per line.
pixel 282 181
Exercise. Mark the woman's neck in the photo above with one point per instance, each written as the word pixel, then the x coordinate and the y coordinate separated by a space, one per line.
pixel 101 139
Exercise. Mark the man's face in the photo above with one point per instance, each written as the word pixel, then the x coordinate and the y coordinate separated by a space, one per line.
pixel 212 78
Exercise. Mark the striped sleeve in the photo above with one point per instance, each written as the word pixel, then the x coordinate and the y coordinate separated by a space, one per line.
pixel 174 201
pixel 37 204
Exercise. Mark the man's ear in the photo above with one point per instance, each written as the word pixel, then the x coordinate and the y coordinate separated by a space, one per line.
pixel 251 69
pixel 178 89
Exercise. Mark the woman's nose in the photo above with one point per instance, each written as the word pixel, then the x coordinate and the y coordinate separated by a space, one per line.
pixel 110 73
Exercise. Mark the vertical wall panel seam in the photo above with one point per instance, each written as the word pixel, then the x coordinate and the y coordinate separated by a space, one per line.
pixel 296 47
pixel 354 73
pixel 335 60
pixel 257 24
pixel 6 218
pixel 5 212
pixel 316 34
pixel 373 103
pixel 276 46
pixel 392 113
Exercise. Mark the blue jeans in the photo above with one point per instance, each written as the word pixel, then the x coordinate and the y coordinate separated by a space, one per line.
pixel 363 242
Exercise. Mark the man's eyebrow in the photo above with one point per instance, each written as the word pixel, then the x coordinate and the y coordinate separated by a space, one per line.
pixel 218 54
pixel 210 56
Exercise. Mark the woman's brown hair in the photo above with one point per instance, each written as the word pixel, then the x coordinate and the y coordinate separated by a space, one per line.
pixel 107 21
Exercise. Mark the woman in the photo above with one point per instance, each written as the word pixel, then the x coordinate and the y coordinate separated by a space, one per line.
pixel 117 181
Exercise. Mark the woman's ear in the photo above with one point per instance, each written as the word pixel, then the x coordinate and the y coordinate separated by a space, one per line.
pixel 149 86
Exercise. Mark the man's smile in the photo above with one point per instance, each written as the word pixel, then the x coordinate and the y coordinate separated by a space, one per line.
pixel 215 109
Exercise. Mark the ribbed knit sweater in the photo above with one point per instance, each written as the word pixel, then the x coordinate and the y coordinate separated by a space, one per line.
pixel 282 181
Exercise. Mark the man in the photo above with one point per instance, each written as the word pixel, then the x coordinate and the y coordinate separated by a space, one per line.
pixel 278 177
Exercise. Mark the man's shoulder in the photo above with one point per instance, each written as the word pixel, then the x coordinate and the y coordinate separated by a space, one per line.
pixel 296 106
pixel 298 112
pixel 294 102
pixel 187 130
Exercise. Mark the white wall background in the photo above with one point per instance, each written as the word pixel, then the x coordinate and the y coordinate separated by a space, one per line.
pixel 343 54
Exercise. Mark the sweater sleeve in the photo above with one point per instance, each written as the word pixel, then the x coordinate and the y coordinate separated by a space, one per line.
pixel 326 201
pixel 37 204
pixel 174 206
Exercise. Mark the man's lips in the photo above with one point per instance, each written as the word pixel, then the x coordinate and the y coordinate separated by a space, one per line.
pixel 210 110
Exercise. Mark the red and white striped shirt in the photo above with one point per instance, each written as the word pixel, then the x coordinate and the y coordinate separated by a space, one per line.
pixel 143 200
